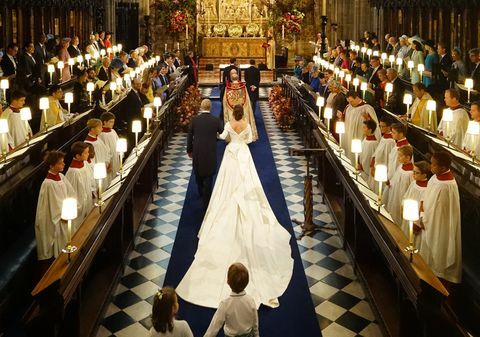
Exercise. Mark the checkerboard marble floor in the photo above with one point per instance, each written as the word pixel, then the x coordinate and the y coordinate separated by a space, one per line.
pixel 340 303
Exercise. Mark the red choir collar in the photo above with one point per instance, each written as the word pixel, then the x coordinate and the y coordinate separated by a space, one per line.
pixel 77 163
pixel 448 175
pixel 91 139
pixel 402 142
pixel 387 135
pixel 407 167
pixel 370 137
pixel 14 109
pixel 104 129
pixel 422 183
pixel 53 176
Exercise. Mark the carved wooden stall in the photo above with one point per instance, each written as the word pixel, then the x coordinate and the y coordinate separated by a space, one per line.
pixel 408 299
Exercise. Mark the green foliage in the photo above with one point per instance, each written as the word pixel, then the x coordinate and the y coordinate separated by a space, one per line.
pixel 175 14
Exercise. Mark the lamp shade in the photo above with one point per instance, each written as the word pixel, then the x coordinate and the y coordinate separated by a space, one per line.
pixel 119 47
pixel 384 56
pixel 51 68
pixel 71 62
pixel 96 55
pixel 364 86
pixel 88 57
pixel 126 77
pixel 69 97
pixel 473 128
pixel 119 82
pixel 60 65
pixel 348 77
pixel 447 115
pixel 99 171
pixel 340 127
pixel 320 101
pixel 410 210
pixel 407 99
pixel 157 58
pixel 80 59
pixel 389 87
pixel 121 145
pixel 381 173
pixel 431 105
pixel 136 126
pixel 341 74
pixel 369 52
pixel 69 209
pixel 25 114
pixel 109 50
pixel 376 53
pixel 410 64
pixel 469 83
pixel 363 49
pixel 44 104
pixel 102 52
pixel 90 86
pixel 356 81
pixel 356 146
pixel 113 86
pixel 3 125
pixel 421 67
pixel 4 84
pixel 391 58
pixel 157 101
pixel 147 112
pixel 328 113
pixel 399 61
pixel 114 49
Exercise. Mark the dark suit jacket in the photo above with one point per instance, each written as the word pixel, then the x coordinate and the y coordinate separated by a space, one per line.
pixel 131 63
pixel 176 63
pixel 7 66
pixel 41 55
pixel 192 69
pixel 202 143
pixel 373 77
pixel 475 75
pixel 395 100
pixel 73 52
pixel 104 75
pixel 226 73
pixel 444 64
pixel 28 71
pixel 252 77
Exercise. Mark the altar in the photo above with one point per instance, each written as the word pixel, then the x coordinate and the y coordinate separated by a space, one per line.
pixel 241 47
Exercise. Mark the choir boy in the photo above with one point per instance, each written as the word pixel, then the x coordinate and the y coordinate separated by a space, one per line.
pixel 472 142
pixel 441 245
pixel 399 183
pixel 399 132
pixel 109 137
pixel 50 229
pixel 386 144
pixel 102 151
pixel 18 130
pixel 79 177
pixel 369 145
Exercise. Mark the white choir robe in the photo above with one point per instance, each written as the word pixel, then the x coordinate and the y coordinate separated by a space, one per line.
pixel 110 137
pixel 472 144
pixel 93 183
pixel 415 191
pixel 441 245
pixel 102 154
pixel 457 128
pixel 369 145
pixel 393 162
pixel 385 146
pixel 50 231
pixel 79 177
pixel 354 126
pixel 398 186
pixel 18 130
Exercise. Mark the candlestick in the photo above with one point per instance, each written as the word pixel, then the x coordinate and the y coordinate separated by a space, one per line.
pixel 340 130
pixel 348 78
pixel 283 32
pixel 69 213
pixel 431 106
pixel 4 132
pixel 381 177
pixel 147 114
pixel 363 87
pixel 166 47
pixel 69 99
pixel 356 149
pixel 328 114
pixel 51 70
pixel 407 100
pixel 320 104
pixel 388 90
pixel 136 128
pixel 90 88
pixel 4 85
pixel 447 117
pixel 26 115
pixel 186 32
pixel 157 103
pixel 44 104
pixel 356 82
pixel 469 86
pixel 99 173
pixel 411 213
pixel 121 149
pixel 421 69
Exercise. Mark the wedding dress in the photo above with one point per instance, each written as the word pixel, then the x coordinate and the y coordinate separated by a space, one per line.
pixel 239 226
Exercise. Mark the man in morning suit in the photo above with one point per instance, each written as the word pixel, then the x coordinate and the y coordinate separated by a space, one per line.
pixel 252 79
pixel 192 68
pixel 202 148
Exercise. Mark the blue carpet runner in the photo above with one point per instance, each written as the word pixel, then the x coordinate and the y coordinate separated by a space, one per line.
pixel 296 315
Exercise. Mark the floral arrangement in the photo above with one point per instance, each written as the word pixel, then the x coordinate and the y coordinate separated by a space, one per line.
pixel 292 21
pixel 175 14
pixel 189 107
pixel 282 108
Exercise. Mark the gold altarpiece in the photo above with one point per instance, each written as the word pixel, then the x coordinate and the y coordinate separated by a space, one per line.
pixel 234 28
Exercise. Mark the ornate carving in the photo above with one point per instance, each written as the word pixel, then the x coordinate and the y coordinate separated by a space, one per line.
pixel 219 29
pixel 252 29
pixel 235 30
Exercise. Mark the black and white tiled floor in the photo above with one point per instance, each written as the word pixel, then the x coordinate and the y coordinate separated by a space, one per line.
pixel 339 300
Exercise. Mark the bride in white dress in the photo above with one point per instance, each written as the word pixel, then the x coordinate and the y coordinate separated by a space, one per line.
pixel 239 226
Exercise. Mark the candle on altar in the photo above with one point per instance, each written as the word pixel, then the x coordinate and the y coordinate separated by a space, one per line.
pixel 166 46
pixel 283 32
pixel 186 31
pixel 324 7
pixel 178 45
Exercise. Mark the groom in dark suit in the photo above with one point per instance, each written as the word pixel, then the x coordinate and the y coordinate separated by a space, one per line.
pixel 252 79
pixel 202 148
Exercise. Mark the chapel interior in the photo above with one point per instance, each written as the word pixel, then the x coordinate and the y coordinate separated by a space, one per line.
pixel 366 260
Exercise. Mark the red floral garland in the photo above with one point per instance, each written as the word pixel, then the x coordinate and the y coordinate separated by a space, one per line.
pixel 189 107
pixel 282 108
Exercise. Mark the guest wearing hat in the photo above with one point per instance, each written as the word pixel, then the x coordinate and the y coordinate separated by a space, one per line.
pixel 431 61
pixel 403 50
pixel 115 67
pixel 458 71
pixel 63 55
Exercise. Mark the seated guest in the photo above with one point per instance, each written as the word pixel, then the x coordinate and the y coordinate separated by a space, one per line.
pixel 395 100
pixel 417 58
pixel 399 132
pixel 28 73
pixel 109 137
pixel 399 183
pixel 164 310
pixel 305 77
pixel 345 61
pixel 385 145
pixel 369 145
pixel 364 70
pixel 471 142
pixel 356 67
pixel 56 114
pixel 163 76
pixel 92 46
pixel 376 44
pixel 92 75
pixel 418 111
pixel 416 191
pixel 238 313
pixel 80 94
pixel 50 229
pixel 458 127
pixel 444 65
pixel 133 60
pixel 122 61
pixel 393 41
pixel 79 177
pixel 18 130
pixel 104 74
pixel 315 80
pixel 102 151
pixel 323 88
pixel 297 70
pixel 441 245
